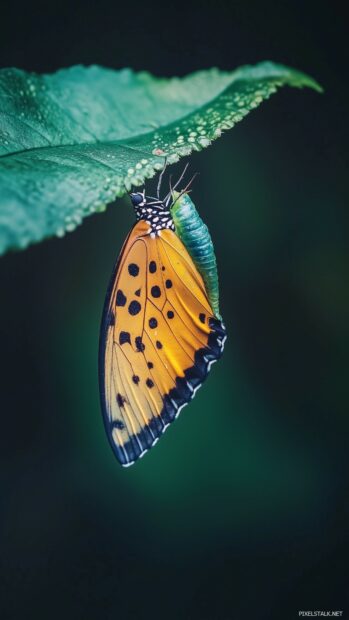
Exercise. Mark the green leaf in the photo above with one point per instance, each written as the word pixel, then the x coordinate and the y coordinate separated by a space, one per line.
pixel 71 141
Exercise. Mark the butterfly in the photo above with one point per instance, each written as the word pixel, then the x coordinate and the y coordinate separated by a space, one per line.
pixel 159 334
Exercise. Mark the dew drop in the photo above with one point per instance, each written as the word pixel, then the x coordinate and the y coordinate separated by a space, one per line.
pixel 204 141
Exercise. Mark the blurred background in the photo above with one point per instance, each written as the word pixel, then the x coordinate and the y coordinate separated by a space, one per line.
pixel 255 526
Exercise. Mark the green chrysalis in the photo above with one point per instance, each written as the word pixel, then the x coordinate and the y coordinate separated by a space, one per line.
pixel 195 235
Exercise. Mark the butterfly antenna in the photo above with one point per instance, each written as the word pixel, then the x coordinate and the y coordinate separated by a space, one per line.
pixel 160 179
pixel 168 197
pixel 186 190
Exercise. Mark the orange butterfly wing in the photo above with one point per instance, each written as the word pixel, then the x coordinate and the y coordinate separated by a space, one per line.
pixel 159 338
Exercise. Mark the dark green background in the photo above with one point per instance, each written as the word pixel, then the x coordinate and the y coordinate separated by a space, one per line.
pixel 241 511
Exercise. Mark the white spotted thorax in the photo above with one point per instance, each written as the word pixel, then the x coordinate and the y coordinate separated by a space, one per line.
pixel 153 211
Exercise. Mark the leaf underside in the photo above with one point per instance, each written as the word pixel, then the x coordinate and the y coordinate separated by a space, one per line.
pixel 73 141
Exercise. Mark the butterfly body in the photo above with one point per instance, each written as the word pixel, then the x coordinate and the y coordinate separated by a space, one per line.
pixel 159 334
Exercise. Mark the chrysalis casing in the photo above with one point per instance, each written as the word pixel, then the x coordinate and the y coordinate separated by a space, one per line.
pixel 195 235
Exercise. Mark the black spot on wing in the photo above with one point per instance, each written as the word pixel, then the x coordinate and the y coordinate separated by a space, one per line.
pixel 150 365
pixel 139 344
pixel 134 307
pixel 168 283
pixel 133 269
pixel 158 344
pixel 202 317
pixel 135 379
pixel 124 337
pixel 170 314
pixel 153 323
pixel 155 291
pixel 149 383
pixel 120 399
pixel 152 266
pixel 138 292
pixel 120 298
pixel 119 425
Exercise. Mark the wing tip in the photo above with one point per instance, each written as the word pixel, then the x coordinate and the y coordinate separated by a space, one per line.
pixel 186 387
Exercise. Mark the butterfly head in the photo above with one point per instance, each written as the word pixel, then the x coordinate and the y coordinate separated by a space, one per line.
pixel 153 211
pixel 137 199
